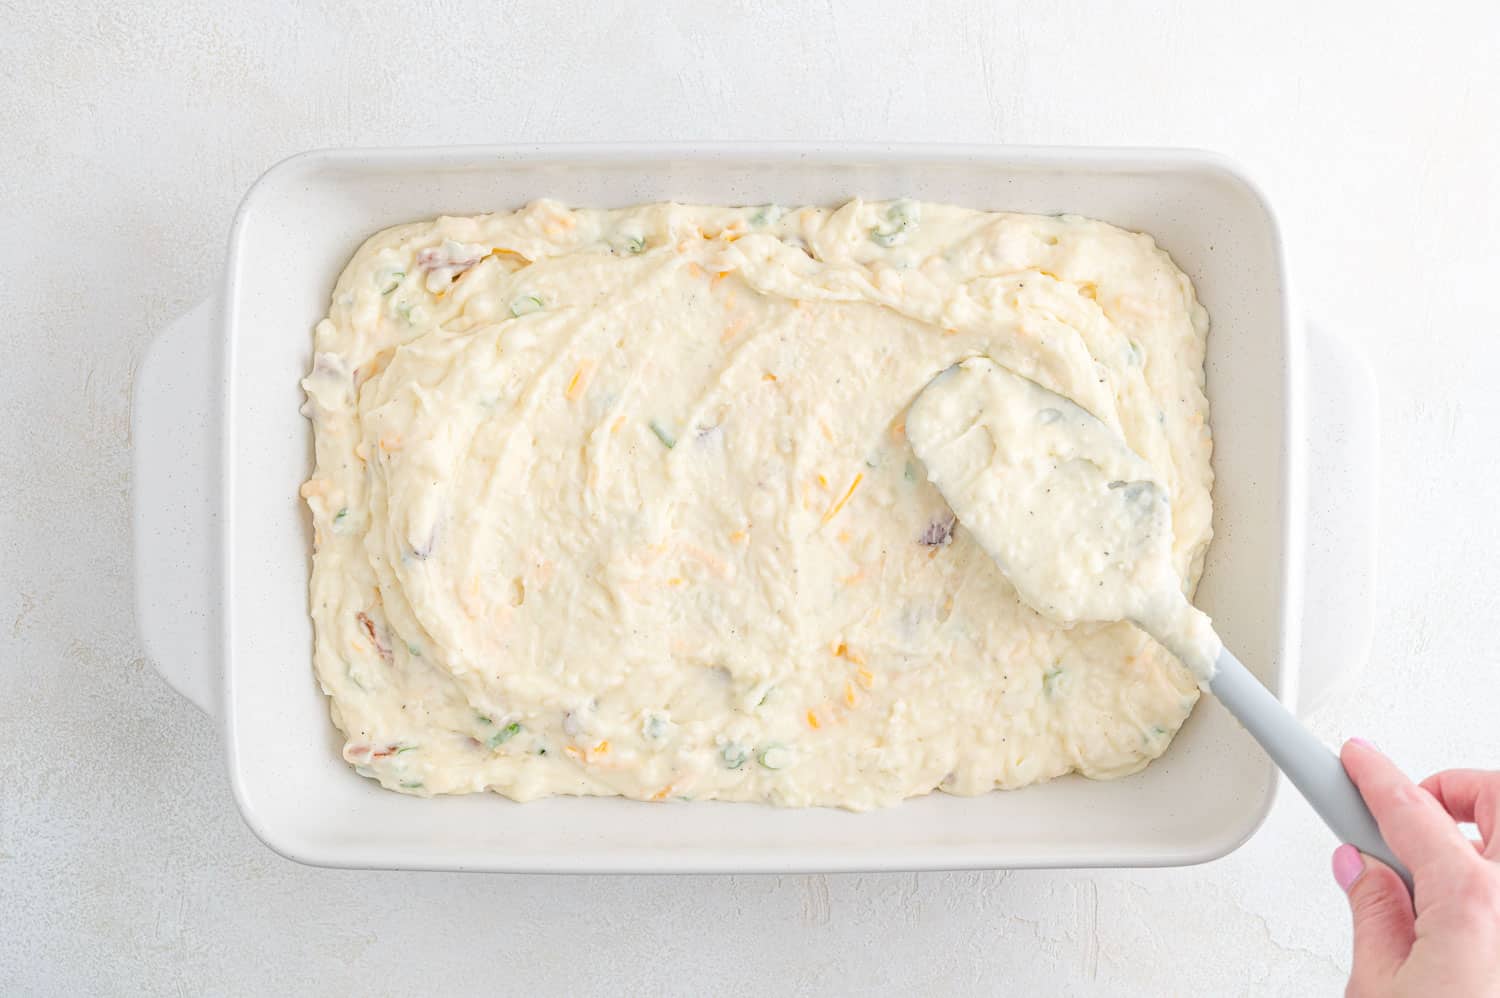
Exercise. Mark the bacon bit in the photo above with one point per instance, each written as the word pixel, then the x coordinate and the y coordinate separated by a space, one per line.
pixel 381 648
pixel 849 697
pixel 738 537
pixel 353 752
pixel 663 793
pixel 388 750
pixel 834 510
pixel 580 382
pixel 866 678
pixel 812 720
pixel 938 532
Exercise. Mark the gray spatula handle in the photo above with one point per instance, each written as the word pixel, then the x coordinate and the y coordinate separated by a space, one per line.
pixel 1308 763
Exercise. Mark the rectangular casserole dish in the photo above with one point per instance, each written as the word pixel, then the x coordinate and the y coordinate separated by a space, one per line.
pixel 223 541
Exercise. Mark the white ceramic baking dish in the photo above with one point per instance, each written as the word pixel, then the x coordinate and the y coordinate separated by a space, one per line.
pixel 222 541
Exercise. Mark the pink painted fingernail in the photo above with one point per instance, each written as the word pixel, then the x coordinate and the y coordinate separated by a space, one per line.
pixel 1348 864
pixel 1366 743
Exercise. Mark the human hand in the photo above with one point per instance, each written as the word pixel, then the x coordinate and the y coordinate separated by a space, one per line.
pixel 1449 945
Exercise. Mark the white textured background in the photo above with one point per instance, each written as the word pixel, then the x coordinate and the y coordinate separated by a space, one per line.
pixel 129 131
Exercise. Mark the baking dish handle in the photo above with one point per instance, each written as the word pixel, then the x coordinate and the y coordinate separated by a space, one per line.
pixel 1342 421
pixel 175 415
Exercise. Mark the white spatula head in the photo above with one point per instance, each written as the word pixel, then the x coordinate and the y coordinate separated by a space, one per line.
pixel 1074 518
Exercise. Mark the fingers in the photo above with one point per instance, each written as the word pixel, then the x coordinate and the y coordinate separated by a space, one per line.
pixel 1384 926
pixel 1417 828
pixel 1470 795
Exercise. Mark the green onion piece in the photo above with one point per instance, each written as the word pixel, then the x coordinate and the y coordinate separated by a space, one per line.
pixel 485 719
pixel 525 305
pixel 775 756
pixel 663 434
pixel 341 514
pixel 505 734
pixel 406 748
pixel 392 281
pixel 1050 681
pixel 412 786
pixel 734 755
pixel 900 217
pixel 766 214
pixel 911 472
pixel 635 244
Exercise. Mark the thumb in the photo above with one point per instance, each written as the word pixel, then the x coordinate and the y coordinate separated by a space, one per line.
pixel 1384 924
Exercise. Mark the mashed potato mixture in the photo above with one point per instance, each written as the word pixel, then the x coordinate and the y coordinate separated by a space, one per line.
pixel 621 502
